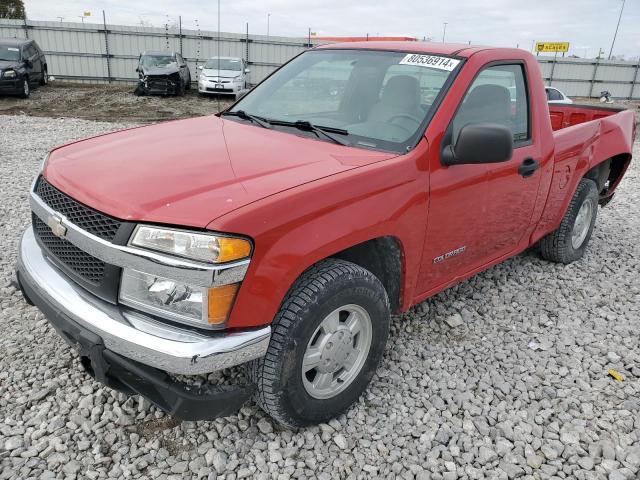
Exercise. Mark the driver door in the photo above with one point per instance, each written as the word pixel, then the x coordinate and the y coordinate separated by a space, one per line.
pixel 479 213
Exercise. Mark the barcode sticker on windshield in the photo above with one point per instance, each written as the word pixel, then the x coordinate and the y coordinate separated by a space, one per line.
pixel 430 61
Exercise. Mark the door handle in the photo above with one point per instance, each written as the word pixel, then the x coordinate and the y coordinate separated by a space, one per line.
pixel 528 167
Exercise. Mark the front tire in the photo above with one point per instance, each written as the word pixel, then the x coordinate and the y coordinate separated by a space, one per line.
pixel 569 242
pixel 26 88
pixel 328 339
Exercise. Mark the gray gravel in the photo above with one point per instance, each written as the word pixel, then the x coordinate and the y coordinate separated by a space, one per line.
pixel 504 376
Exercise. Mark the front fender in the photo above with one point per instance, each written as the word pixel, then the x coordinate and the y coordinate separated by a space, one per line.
pixel 295 229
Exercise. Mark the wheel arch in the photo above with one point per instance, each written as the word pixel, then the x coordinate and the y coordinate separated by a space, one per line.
pixel 608 173
pixel 382 256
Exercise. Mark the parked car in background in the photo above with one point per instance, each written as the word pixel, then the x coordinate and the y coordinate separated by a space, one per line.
pixel 223 75
pixel 556 96
pixel 162 73
pixel 22 66
pixel 284 231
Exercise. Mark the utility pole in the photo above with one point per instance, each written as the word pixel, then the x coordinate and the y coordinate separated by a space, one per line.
pixel 616 33
pixel 268 18
pixel 444 31
pixel 61 18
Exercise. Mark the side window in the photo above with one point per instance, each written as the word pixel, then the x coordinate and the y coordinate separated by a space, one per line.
pixel 31 51
pixel 179 59
pixel 497 95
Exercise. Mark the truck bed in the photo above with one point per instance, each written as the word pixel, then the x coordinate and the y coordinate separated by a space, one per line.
pixel 563 116
pixel 585 136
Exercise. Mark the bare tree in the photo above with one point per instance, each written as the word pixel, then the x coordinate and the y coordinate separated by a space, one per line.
pixel 12 9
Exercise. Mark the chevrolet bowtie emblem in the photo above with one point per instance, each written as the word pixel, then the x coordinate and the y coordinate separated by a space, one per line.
pixel 55 224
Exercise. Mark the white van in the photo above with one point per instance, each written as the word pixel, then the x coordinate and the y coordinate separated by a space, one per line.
pixel 223 75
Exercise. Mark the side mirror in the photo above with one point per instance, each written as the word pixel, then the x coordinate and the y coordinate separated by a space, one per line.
pixel 480 143
pixel 246 70
pixel 138 69
pixel 28 63
pixel 200 67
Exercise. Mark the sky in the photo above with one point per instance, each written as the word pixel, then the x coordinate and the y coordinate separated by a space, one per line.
pixel 587 24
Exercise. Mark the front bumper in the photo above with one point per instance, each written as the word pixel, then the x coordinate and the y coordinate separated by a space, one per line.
pixel 132 352
pixel 211 86
pixel 159 86
pixel 11 86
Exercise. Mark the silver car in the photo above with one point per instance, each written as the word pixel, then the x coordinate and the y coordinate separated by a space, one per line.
pixel 223 75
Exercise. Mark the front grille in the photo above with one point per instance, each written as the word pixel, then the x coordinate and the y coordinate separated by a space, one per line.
pixel 86 266
pixel 84 217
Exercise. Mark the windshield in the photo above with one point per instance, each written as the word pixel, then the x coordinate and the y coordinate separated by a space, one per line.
pixel 381 99
pixel 234 64
pixel 156 60
pixel 9 53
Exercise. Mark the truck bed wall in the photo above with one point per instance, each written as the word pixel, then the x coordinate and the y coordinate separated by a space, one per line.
pixel 563 116
pixel 578 148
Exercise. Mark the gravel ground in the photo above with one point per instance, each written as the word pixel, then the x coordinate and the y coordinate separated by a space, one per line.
pixel 503 376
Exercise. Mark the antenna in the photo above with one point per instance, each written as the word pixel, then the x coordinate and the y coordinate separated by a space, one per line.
pixel 218 48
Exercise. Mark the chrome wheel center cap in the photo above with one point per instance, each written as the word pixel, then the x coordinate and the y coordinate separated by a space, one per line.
pixel 336 350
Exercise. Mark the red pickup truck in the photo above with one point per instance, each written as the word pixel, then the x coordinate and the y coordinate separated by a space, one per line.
pixel 356 181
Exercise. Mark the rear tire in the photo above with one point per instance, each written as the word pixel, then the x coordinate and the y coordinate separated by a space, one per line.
pixel 316 325
pixel 569 242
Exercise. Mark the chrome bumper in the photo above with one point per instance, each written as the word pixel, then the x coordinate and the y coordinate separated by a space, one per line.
pixel 132 334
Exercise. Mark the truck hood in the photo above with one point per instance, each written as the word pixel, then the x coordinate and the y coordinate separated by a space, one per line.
pixel 166 70
pixel 7 64
pixel 190 172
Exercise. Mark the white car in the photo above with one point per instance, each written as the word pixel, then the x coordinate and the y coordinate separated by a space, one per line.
pixel 556 96
pixel 223 75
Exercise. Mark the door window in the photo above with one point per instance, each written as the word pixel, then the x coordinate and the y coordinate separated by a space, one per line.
pixel 497 95
pixel 30 51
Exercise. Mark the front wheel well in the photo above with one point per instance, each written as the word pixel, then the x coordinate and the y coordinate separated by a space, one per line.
pixel 382 256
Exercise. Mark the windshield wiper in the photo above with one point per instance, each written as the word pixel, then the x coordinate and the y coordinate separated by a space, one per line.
pixel 264 123
pixel 319 130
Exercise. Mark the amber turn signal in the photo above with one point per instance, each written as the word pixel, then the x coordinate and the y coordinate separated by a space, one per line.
pixel 220 302
pixel 232 249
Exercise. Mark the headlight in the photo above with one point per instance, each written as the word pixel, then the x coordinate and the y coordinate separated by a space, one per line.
pixel 202 247
pixel 202 76
pixel 9 74
pixel 200 306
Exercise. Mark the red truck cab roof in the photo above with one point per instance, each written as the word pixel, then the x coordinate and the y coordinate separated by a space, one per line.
pixel 451 49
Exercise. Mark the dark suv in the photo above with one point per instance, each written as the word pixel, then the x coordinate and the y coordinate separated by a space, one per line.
pixel 22 65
